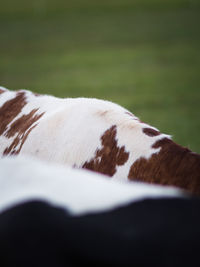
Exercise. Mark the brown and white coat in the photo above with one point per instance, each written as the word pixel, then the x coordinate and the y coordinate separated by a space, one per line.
pixel 94 134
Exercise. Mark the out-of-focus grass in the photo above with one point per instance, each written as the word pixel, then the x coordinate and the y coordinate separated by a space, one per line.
pixel 142 54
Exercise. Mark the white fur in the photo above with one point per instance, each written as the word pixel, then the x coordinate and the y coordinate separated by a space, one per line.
pixel 78 191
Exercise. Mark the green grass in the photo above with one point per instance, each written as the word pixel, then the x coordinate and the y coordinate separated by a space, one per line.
pixel 142 54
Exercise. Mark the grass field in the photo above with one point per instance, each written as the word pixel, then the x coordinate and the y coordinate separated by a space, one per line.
pixel 142 54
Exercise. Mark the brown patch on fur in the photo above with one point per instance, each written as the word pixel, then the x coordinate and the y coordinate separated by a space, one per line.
pixel 130 114
pixel 151 132
pixel 133 117
pixel 102 113
pixel 22 127
pixel 36 94
pixel 173 165
pixel 109 156
pixel 2 91
pixel 10 109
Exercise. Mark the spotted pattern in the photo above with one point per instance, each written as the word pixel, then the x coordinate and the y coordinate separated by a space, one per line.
pixel 17 129
pixel 151 132
pixel 173 165
pixel 109 156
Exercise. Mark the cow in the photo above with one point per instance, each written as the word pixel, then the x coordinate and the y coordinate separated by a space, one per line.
pixel 79 191
pixel 94 134
pixel 53 215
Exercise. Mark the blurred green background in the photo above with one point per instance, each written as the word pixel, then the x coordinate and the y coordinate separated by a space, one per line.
pixel 142 54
